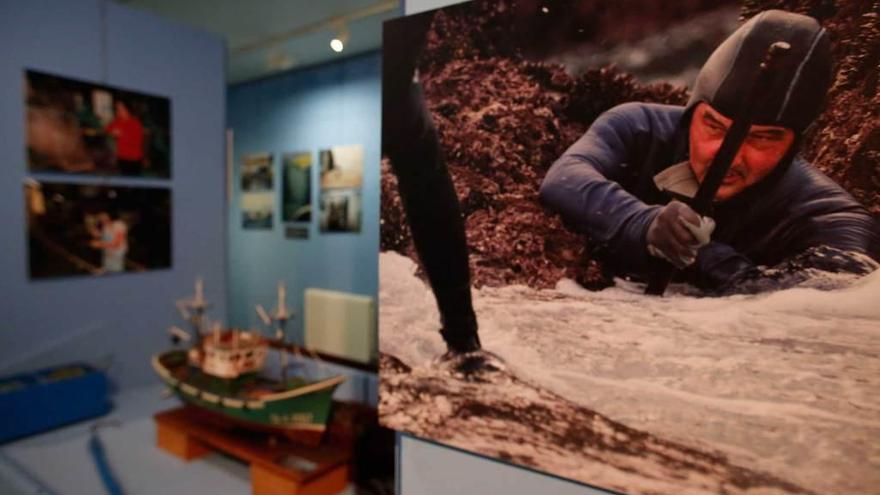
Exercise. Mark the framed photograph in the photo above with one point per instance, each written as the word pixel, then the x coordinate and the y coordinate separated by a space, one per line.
pixel 78 229
pixel 79 127
pixel 341 181
pixel 257 172
pixel 648 237
pixel 257 191
pixel 341 210
pixel 257 210
pixel 296 193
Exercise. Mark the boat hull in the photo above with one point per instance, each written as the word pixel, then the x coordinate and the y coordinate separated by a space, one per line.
pixel 300 413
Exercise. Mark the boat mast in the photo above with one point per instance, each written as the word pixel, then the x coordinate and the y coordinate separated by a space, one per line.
pixel 282 315
pixel 193 311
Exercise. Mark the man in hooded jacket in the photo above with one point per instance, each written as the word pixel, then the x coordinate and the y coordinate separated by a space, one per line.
pixel 621 182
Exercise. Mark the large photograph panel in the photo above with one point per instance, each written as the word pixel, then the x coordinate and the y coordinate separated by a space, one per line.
pixel 80 229
pixel 85 128
pixel 543 166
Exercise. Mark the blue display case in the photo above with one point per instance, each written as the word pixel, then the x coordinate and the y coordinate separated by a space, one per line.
pixel 51 397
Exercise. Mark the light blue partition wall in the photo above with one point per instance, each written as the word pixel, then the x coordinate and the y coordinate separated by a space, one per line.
pixel 52 321
pixel 306 110
pixel 427 468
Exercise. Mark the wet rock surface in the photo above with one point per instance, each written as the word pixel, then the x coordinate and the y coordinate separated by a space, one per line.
pixel 505 417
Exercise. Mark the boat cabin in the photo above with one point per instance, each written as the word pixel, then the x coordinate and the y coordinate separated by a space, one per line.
pixel 233 353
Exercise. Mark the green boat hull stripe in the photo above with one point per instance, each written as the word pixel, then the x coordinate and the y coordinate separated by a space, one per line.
pixel 306 407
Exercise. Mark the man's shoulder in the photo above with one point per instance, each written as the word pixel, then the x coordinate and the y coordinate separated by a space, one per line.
pixel 648 109
pixel 805 176
pixel 805 183
pixel 654 117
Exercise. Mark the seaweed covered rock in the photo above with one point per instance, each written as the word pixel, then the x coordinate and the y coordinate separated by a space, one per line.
pixel 502 123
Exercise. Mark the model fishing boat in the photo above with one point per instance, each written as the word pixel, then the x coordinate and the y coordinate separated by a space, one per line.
pixel 222 375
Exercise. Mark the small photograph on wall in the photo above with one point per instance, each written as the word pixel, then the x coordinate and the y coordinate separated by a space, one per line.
pixel 257 172
pixel 79 229
pixel 341 180
pixel 635 244
pixel 257 191
pixel 341 210
pixel 296 193
pixel 257 210
pixel 79 127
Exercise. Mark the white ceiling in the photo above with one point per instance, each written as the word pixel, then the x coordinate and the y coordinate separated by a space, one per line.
pixel 265 37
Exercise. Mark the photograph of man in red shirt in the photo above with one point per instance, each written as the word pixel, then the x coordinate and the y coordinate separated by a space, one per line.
pixel 128 133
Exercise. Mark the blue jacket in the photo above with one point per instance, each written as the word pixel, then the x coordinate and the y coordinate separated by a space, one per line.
pixel 603 187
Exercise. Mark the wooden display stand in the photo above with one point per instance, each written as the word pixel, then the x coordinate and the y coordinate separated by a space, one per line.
pixel 278 467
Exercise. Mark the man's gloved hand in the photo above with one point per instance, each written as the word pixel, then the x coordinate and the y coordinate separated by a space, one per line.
pixel 677 233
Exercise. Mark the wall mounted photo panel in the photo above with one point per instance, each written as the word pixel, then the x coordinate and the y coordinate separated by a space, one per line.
pixel 341 180
pixel 257 191
pixel 296 200
pixel 78 229
pixel 257 210
pixel 549 166
pixel 257 172
pixel 85 128
pixel 341 210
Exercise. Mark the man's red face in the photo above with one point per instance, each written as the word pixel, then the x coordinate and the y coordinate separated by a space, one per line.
pixel 760 153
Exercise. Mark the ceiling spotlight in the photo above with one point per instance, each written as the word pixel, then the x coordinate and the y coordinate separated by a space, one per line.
pixel 338 43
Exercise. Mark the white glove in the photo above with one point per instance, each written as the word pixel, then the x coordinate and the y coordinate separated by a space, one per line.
pixel 677 233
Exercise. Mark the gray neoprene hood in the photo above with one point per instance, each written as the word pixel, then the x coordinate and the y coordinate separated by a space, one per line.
pixel 798 91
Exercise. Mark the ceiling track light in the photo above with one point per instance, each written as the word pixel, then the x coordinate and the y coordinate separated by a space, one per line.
pixel 337 44
pixel 337 23
pixel 279 59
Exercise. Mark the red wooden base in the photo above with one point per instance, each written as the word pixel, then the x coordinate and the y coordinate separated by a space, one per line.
pixel 278 467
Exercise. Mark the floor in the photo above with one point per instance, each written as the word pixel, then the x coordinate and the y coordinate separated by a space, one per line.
pixel 59 463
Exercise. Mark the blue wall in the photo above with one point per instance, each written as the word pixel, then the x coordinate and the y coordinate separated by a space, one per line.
pixel 306 110
pixel 125 316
